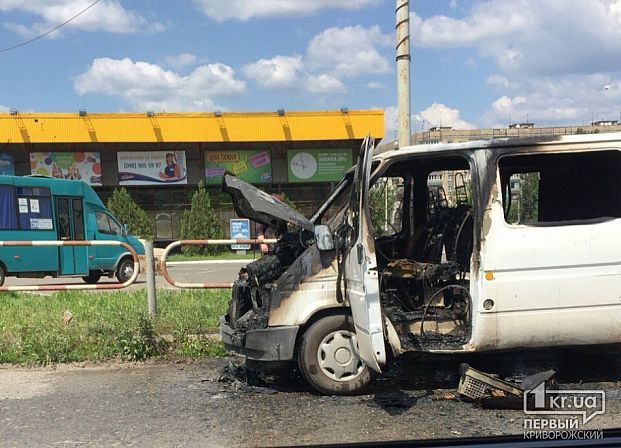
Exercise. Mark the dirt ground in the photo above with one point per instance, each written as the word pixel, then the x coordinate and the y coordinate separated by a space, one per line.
pixel 201 404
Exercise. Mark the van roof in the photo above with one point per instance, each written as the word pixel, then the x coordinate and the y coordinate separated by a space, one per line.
pixel 58 187
pixel 500 142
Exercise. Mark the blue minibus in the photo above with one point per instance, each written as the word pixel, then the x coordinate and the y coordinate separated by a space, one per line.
pixel 39 208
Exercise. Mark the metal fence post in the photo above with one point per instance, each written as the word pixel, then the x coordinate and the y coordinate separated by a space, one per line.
pixel 150 271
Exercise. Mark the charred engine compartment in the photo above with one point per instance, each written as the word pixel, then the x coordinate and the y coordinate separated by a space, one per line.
pixel 250 299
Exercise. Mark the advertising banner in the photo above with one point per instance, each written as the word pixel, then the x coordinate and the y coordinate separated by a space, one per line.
pixel 152 167
pixel 85 166
pixel 252 166
pixel 7 168
pixel 240 230
pixel 318 165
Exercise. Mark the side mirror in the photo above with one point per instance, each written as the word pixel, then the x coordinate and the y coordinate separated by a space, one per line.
pixel 125 230
pixel 323 237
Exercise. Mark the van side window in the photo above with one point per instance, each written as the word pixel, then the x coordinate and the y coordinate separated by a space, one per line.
pixel 560 188
pixel 8 217
pixel 34 206
pixel 115 227
pixel 103 225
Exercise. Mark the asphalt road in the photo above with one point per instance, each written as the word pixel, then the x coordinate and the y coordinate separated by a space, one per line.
pixel 161 405
pixel 192 272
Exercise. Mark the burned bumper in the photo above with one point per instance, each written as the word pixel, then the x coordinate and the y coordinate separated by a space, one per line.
pixel 266 344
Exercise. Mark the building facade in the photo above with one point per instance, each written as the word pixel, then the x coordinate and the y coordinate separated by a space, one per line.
pixel 161 158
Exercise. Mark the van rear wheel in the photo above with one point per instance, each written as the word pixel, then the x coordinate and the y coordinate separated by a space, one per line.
pixel 329 360
pixel 125 270
pixel 2 274
pixel 92 277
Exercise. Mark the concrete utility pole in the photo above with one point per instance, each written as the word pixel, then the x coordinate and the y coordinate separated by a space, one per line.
pixel 403 73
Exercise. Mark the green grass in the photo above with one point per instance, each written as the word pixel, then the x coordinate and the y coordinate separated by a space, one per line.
pixel 225 256
pixel 109 325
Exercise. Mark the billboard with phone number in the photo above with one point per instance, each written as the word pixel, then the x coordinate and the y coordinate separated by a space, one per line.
pixel 152 167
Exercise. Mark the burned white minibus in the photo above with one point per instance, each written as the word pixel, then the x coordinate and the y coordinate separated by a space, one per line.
pixel 447 248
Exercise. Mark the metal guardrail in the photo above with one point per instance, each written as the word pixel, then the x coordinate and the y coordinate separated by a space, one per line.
pixel 213 285
pixel 74 287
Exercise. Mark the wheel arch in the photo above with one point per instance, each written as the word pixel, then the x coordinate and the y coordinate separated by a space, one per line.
pixel 121 257
pixel 318 315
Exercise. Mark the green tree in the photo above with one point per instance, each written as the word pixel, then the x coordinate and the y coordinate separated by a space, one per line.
pixel 530 197
pixel 384 203
pixel 525 204
pixel 126 210
pixel 200 222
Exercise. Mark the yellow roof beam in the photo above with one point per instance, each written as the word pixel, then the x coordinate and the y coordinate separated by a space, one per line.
pixel 190 127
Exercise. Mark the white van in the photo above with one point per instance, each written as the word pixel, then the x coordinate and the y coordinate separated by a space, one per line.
pixel 446 248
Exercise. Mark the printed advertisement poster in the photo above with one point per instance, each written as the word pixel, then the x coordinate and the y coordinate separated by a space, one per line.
pixel 252 166
pixel 152 167
pixel 84 166
pixel 240 230
pixel 7 168
pixel 318 165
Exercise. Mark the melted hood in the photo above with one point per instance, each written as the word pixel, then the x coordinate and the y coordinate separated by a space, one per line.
pixel 256 205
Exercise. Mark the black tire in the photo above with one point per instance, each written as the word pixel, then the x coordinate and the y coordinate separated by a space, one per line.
pixel 92 277
pixel 315 365
pixel 125 270
pixel 2 274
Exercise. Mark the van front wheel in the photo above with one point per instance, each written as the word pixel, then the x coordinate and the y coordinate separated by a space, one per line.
pixel 92 277
pixel 329 360
pixel 125 270
pixel 2 274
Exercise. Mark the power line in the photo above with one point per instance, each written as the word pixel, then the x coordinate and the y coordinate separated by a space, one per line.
pixel 40 36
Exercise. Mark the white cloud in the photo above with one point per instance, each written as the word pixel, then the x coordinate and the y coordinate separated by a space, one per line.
pixel 108 16
pixel 180 60
pixel 248 9
pixel 375 85
pixel 439 114
pixel 390 123
pixel 332 55
pixel 324 84
pixel 533 36
pixel 3 109
pixel 500 82
pixel 148 86
pixel 275 73
pixel 564 100
pixel 349 51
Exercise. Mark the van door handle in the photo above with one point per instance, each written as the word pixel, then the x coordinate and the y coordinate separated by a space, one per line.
pixel 360 250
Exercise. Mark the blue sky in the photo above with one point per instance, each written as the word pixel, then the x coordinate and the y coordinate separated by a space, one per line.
pixel 476 63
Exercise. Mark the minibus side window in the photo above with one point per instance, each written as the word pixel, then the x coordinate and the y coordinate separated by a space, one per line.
pixel 8 217
pixel 34 206
pixel 103 225
pixel 115 227
pixel 78 220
